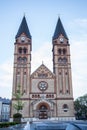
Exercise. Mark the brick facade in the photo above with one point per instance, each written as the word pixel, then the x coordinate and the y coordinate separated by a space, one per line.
pixel 46 94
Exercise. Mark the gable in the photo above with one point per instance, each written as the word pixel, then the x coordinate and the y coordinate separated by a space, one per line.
pixel 42 72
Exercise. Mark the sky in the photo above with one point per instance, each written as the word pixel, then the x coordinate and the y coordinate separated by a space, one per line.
pixel 42 16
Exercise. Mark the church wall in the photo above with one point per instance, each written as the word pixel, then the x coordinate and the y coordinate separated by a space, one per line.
pixel 69 113
pixel 26 108
pixel 34 84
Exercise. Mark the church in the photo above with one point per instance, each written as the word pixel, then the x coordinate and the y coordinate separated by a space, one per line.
pixel 46 94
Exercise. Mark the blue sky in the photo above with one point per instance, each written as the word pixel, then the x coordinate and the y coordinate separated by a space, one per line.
pixel 42 16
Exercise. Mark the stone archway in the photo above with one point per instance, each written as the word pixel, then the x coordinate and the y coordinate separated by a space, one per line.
pixel 43 110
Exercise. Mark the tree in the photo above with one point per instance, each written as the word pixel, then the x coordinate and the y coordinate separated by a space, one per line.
pixel 81 107
pixel 18 106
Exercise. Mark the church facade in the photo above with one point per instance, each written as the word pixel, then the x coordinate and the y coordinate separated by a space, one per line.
pixel 46 94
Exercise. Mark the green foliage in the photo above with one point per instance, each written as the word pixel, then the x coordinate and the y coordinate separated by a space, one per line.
pixel 81 107
pixel 17 115
pixel 7 124
pixel 18 105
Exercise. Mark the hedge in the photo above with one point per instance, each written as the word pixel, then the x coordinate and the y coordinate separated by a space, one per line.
pixel 7 124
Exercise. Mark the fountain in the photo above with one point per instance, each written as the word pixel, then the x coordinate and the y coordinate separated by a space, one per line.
pixel 27 126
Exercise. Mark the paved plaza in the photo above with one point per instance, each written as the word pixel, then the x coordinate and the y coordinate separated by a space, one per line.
pixel 50 125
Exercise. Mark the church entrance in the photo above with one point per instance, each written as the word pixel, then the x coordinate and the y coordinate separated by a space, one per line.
pixel 43 112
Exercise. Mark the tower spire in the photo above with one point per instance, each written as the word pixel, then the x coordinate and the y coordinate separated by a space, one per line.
pixel 23 29
pixel 59 30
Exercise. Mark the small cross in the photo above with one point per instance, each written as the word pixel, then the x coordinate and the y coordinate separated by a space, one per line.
pixel 42 61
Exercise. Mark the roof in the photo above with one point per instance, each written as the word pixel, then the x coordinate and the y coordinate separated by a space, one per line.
pixel 23 29
pixel 59 30
pixel 5 101
pixel 42 72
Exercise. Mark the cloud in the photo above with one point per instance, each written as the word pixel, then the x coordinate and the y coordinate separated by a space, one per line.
pixel 6 76
pixel 80 22
pixel 79 64
pixel 42 54
pixel 78 29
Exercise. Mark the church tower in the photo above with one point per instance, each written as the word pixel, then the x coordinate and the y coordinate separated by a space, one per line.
pixel 22 65
pixel 62 71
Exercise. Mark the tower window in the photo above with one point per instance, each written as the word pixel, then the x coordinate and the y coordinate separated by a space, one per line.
pixel 24 73
pixel 25 50
pixel 18 73
pixel 59 73
pixel 67 91
pixel 20 50
pixel 61 91
pixel 24 59
pixel 64 60
pixel 19 59
pixel 66 73
pixel 60 60
pixel 59 51
pixel 64 51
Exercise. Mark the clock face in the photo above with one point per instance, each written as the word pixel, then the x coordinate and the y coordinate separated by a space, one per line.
pixel 61 39
pixel 42 85
pixel 23 38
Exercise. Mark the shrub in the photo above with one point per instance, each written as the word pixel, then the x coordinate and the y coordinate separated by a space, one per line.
pixel 17 117
pixel 7 124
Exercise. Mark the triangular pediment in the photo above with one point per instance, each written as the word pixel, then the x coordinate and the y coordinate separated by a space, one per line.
pixel 42 72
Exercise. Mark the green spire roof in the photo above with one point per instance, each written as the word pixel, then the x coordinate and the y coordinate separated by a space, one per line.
pixel 23 29
pixel 59 30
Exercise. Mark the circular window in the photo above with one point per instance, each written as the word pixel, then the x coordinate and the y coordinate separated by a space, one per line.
pixel 42 85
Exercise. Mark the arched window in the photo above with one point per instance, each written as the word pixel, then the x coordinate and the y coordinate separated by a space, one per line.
pixel 59 51
pixel 24 59
pixel 19 59
pixel 25 50
pixel 20 50
pixel 60 60
pixel 64 60
pixel 65 107
pixel 64 51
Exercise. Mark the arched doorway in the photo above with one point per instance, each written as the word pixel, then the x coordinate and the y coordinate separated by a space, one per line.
pixel 43 111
